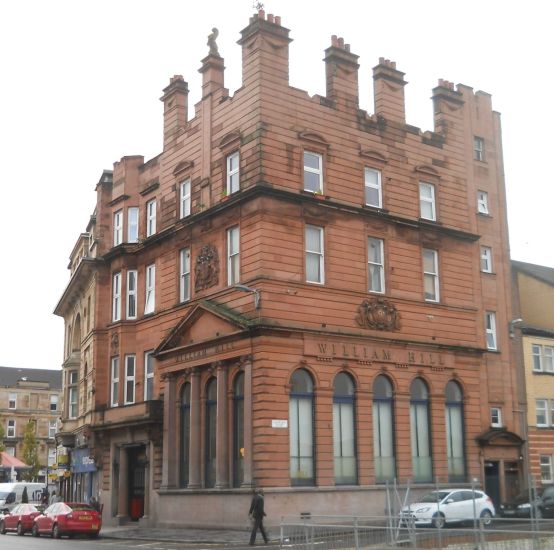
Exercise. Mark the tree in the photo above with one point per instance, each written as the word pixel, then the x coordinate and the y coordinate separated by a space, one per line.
pixel 2 435
pixel 30 451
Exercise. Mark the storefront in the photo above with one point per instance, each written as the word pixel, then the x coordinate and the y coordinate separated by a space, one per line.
pixel 83 468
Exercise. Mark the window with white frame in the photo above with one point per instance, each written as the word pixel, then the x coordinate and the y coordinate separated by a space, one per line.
pixel 313 172
pixel 10 432
pixel 233 255
pixel 132 224
pixel 373 191
pixel 12 401
pixel 431 275
pixel 496 417
pixel 73 397
pixel 52 429
pixel 114 382
pixel 478 148
pixel 184 277
pixel 148 376
pixel 53 402
pixel 150 298
pixel 490 329
pixel 116 297
pixel 118 227
pixel 315 272
pixel 482 202
pixel 427 201
pixel 130 364
pixel 10 450
pixel 132 294
pixel 546 468
pixel 543 358
pixel 151 218
pixel 233 172
pixel 376 267
pixel 185 198
pixel 486 259
pixel 541 412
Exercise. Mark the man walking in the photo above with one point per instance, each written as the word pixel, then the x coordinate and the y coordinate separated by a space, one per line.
pixel 257 514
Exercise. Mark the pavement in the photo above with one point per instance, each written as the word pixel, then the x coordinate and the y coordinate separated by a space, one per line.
pixel 186 535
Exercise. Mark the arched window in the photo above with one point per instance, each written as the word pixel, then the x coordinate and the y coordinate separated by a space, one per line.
pixel 454 413
pixel 211 432
pixel 344 430
pixel 383 430
pixel 422 464
pixel 301 431
pixel 185 436
pixel 238 430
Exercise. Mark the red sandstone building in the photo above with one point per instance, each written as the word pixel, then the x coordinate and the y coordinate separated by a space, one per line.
pixel 318 297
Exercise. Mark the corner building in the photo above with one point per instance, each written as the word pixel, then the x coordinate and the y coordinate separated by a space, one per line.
pixel 305 287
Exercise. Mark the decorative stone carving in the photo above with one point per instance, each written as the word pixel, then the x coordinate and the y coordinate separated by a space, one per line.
pixel 115 343
pixel 212 44
pixel 379 314
pixel 206 272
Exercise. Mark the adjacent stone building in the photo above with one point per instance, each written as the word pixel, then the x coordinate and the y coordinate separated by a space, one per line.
pixel 31 394
pixel 314 297
pixel 534 285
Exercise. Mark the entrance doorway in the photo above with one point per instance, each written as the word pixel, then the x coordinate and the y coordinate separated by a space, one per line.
pixel 137 477
pixel 492 481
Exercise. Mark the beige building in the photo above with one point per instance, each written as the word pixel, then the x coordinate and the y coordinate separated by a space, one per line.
pixel 534 285
pixel 77 471
pixel 31 394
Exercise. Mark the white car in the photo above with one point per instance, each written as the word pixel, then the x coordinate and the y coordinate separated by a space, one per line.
pixel 438 508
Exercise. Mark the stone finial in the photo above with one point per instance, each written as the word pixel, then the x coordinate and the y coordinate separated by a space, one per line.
pixel 212 44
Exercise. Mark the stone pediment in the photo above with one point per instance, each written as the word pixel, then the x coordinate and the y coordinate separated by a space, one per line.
pixel 204 322
pixel 499 437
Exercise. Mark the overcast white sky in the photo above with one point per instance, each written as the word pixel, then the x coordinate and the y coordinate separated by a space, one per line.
pixel 79 88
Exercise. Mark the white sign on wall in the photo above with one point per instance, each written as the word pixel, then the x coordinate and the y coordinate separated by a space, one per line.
pixel 279 423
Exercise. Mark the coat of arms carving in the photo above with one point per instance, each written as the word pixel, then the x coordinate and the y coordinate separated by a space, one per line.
pixel 378 314
pixel 206 272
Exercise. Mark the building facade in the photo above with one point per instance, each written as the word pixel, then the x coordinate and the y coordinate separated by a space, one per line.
pixel 299 295
pixel 534 286
pixel 31 395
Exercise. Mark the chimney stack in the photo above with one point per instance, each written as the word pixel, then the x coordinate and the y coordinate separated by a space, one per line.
pixel 175 100
pixel 265 49
pixel 341 73
pixel 447 111
pixel 388 91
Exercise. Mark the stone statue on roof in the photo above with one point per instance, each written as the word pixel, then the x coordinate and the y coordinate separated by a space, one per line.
pixel 212 42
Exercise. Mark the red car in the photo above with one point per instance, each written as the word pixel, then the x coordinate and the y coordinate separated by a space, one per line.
pixel 20 519
pixel 68 518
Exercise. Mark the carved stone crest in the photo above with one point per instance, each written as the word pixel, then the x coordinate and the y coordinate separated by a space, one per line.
pixel 379 314
pixel 115 343
pixel 206 272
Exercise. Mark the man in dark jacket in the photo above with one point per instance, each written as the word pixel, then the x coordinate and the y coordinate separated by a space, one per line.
pixel 257 514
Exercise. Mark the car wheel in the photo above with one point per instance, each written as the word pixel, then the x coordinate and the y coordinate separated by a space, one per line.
pixel 20 530
pixel 93 536
pixel 56 532
pixel 2 528
pixel 35 530
pixel 438 520
pixel 486 517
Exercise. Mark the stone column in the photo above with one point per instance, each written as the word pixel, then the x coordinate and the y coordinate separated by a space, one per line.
pixel 222 435
pixel 123 484
pixel 195 443
pixel 169 464
pixel 248 447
